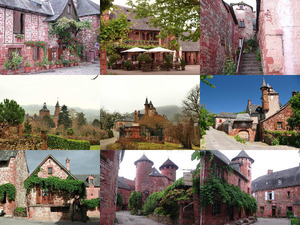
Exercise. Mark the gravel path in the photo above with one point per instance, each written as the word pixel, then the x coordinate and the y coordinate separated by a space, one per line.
pixel 105 142
pixel 125 218
pixel 218 140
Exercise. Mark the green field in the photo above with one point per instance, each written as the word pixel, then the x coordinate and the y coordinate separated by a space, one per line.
pixel 95 147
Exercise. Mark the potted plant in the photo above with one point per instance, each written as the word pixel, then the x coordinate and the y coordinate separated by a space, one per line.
pixel 182 62
pixel 46 64
pixel 16 62
pixel 52 65
pixel 76 62
pixel 71 62
pixel 37 66
pixel 168 59
pixel 128 65
pixel 19 37
pixel 145 59
pixel 57 63
pixel 6 67
pixel 27 67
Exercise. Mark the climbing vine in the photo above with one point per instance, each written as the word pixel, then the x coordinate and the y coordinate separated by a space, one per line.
pixel 10 191
pixel 69 186
pixel 92 203
pixel 40 44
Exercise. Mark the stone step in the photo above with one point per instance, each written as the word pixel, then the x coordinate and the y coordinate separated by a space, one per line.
pixel 246 66
pixel 251 73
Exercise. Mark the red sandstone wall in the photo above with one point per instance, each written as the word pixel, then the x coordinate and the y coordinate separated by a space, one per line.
pixel 245 15
pixel 157 184
pixel 125 196
pixel 143 169
pixel 56 170
pixel 169 172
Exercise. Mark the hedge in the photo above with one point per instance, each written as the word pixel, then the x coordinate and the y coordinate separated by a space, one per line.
pixel 290 138
pixel 56 142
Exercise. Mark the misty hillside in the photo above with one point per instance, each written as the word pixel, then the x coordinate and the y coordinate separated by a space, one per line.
pixel 169 110
pixel 90 114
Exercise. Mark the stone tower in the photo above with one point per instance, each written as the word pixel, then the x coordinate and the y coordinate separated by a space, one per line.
pixel 168 169
pixel 244 15
pixel 143 169
pixel 264 97
pixel 57 109
pixel 270 99
pixel 245 164
pixel 146 107
pixel 44 111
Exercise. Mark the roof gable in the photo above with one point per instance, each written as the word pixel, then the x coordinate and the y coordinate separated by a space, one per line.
pixel 5 155
pixel 28 6
pixel 87 8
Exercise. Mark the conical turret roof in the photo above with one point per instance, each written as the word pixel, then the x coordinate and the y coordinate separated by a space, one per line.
pixel 168 163
pixel 143 158
pixel 155 173
pixel 263 83
pixel 243 154
pixel 146 101
pixel 45 107
pixel 57 104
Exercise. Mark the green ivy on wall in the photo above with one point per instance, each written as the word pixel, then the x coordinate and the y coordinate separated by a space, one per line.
pixel 10 191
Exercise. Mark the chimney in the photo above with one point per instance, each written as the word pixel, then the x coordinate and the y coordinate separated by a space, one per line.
pixel 270 171
pixel 249 102
pixel 68 164
pixel 135 117
pixel 295 93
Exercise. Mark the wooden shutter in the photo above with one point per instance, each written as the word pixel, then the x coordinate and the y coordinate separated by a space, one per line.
pixel 272 195
pixel 60 52
pixel 22 25
pixel 17 22
pixel 38 196
pixel 50 54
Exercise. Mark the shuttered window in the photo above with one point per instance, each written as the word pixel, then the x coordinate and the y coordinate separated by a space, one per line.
pixel 38 196
pixel 19 23
pixel 36 53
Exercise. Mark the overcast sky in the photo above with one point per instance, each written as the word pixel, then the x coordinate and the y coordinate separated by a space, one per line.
pixel 128 93
pixel 182 158
pixel 73 91
pixel 268 159
pixel 81 162
pixel 249 2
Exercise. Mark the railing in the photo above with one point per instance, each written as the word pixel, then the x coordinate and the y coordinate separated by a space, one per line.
pixel 239 65
pixel 141 42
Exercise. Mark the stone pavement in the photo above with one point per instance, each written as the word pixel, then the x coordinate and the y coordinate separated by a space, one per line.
pixel 20 221
pixel 272 221
pixel 125 218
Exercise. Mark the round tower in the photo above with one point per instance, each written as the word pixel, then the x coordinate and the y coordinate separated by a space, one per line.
pixel 44 111
pixel 168 169
pixel 57 109
pixel 245 168
pixel 264 98
pixel 143 169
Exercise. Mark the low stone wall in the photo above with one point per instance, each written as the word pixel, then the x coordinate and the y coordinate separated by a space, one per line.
pixel 163 219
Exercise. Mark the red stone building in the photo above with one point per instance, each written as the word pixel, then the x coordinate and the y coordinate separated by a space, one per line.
pixel 241 165
pixel 29 20
pixel 13 170
pixel 278 193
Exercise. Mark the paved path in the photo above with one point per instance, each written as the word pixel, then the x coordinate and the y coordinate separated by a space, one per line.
pixel 89 69
pixel 272 221
pixel 218 140
pixel 105 142
pixel 125 218
pixel 19 221
pixel 189 70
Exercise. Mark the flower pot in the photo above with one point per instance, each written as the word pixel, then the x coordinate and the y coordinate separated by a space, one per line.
pixel 27 69
pixel 37 68
pixel 71 64
pixel 16 71
pixel 4 72
pixel 61 65
pixel 47 67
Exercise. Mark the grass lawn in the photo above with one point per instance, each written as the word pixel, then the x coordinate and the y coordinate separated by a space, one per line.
pixel 95 147
pixel 151 146
pixel 202 143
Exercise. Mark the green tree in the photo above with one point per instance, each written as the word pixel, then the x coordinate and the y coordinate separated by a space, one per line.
pixel 191 104
pixel 64 118
pixel 27 127
pixel 294 120
pixel 81 120
pixel 173 17
pixel 135 201
pixel 204 120
pixel 11 113
pixel 104 5
pixel 107 120
pixel 96 123
pixel 48 121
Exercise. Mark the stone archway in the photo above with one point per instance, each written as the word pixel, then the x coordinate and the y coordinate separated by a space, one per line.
pixel 244 134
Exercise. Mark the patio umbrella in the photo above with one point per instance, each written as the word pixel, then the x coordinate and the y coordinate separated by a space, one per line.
pixel 159 49
pixel 136 49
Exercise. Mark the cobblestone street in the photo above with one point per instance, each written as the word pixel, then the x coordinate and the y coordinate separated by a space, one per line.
pixel 19 221
pixel 125 218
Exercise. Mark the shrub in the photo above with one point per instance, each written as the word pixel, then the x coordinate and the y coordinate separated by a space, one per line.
pixel 152 202
pixel 110 134
pixel 143 57
pixel 91 203
pixel 135 201
pixel 9 189
pixel 229 66
pixel 56 142
pixel 126 144
pixel 20 211
pixel 128 64
pixel 239 139
pixel 276 141
pixel 70 131
pixel 182 62
pixel 16 61
pixel 114 58
pixel 119 200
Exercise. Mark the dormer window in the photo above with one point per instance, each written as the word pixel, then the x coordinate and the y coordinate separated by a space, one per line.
pixel 241 24
pixel 241 7
pixel 279 181
pixel 91 181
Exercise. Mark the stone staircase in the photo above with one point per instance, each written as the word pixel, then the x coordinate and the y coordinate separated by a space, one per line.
pixel 249 64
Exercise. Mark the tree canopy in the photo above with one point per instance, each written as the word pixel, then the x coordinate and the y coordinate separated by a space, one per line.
pixel 104 5
pixel 64 117
pixel 11 113
pixel 191 104
pixel 294 120
pixel 173 17
pixel 107 120
pixel 80 118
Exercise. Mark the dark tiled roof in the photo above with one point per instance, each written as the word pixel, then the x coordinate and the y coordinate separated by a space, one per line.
pixel 289 178
pixel 168 162
pixel 87 8
pixel 58 7
pixel 255 109
pixel 155 173
pixel 189 46
pixel 143 158
pixel 263 83
pixel 28 5
pixel 243 154
pixel 243 117
pixel 5 155
pixel 226 115
pixel 122 183
pixel 85 178
pixel 137 24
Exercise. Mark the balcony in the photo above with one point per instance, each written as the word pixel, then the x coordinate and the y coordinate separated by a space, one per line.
pixel 141 42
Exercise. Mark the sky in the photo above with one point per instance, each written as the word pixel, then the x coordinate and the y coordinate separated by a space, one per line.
pixel 73 91
pixel 265 160
pixel 231 93
pixel 182 158
pixel 81 162
pixel 128 93
pixel 249 2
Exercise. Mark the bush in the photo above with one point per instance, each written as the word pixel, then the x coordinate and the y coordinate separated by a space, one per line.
pixel 229 67
pixel 152 202
pixel 56 142
pixel 128 64
pixel 275 141
pixel 92 203
pixel 126 144
pixel 289 214
pixel 114 58
pixel 70 131
pixel 143 57
pixel 250 45
pixel 20 211
pixel 135 201
pixel 110 134
pixel 239 139
pixel 119 200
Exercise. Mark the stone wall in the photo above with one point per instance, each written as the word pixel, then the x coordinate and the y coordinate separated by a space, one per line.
pixel 163 219
pixel 245 15
pixel 56 170
pixel 125 193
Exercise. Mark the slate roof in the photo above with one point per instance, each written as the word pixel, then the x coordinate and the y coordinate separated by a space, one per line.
pixel 143 158
pixel 28 5
pixel 85 178
pixel 189 46
pixel 87 8
pixel 290 177
pixel 155 173
pixel 255 109
pixel 58 7
pixel 122 183
pixel 168 162
pixel 5 155
pixel 226 115
pixel 137 24
pixel 243 117
pixel 243 154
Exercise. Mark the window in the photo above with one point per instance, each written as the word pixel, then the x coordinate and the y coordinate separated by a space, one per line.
pixel 279 181
pixel 241 7
pixel 49 170
pixel 241 24
pixel 269 195
pixel 36 53
pixel 288 194
pixel 289 208
pixel 91 181
pixel 69 8
pixel 239 183
pixel 19 24
pixel 279 125
pixel 240 42
pixel 216 208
